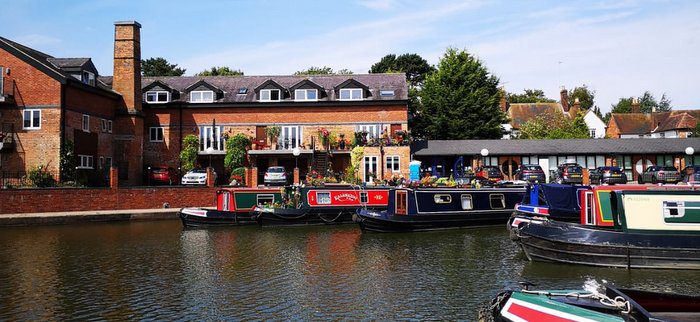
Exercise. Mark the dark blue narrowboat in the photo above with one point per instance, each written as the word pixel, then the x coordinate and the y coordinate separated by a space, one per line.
pixel 423 209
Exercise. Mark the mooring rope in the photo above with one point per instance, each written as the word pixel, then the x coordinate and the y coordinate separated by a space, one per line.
pixel 618 302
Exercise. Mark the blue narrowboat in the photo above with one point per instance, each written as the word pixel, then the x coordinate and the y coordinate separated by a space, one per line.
pixel 423 209
pixel 554 201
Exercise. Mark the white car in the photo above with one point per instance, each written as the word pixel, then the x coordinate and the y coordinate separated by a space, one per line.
pixel 275 175
pixel 195 176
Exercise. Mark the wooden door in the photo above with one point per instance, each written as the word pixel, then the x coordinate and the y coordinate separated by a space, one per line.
pixel 260 135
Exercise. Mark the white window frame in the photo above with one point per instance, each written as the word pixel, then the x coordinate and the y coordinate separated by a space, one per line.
pixel 109 126
pixel 350 92
pixel 211 137
pixel 592 132
pixel 373 130
pixel 386 93
pixel 395 163
pixel 201 99
pixel 369 163
pixel 303 94
pixel 86 123
pixel 156 130
pixel 86 161
pixel 87 77
pixel 287 139
pixel 269 95
pixel 103 125
pixel 31 126
pixel 156 95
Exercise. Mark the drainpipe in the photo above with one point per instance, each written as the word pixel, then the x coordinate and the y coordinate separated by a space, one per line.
pixel 179 161
pixel 62 130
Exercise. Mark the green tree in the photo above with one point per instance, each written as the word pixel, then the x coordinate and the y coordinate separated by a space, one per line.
pixel 68 161
pixel 647 102
pixel 313 70
pixel 555 126
pixel 236 151
pixel 220 71
pixel 159 66
pixel 459 101
pixel 585 96
pixel 189 153
pixel 344 71
pixel 529 96
pixel 696 131
pixel 415 67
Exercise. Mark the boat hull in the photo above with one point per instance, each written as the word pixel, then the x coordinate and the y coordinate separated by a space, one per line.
pixel 301 217
pixel 552 241
pixel 375 221
pixel 196 217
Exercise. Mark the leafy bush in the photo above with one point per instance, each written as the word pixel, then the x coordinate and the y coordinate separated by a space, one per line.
pixel 236 151
pixel 190 151
pixel 39 177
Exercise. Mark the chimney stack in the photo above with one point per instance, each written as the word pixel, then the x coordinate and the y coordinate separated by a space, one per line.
pixel 573 112
pixel 127 64
pixel 636 108
pixel 503 102
pixel 564 99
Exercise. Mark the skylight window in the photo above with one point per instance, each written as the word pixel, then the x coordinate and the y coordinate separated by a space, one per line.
pixel 386 92
pixel 243 90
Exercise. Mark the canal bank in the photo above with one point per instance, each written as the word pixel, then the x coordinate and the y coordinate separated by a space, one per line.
pixel 72 217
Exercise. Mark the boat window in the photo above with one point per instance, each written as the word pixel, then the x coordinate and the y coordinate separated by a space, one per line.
pixel 266 199
pixel 498 201
pixel 442 198
pixel 225 200
pixel 467 202
pixel 401 202
pixel 589 208
pixel 363 197
pixel 323 198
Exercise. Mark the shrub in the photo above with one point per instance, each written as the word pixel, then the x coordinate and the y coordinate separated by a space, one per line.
pixel 39 177
pixel 190 151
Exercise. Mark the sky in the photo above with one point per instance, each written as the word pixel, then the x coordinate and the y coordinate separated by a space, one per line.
pixel 617 48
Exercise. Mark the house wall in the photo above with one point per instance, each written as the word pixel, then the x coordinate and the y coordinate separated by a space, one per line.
pixel 404 153
pixel 594 122
pixel 30 89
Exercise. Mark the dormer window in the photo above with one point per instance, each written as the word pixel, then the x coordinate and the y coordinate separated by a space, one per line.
pixel 88 78
pixel 306 95
pixel 157 97
pixel 269 95
pixel 350 94
pixel 201 96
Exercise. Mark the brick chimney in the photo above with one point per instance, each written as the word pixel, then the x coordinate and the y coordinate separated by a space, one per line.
pixel 128 143
pixel 564 99
pixel 503 102
pixel 573 112
pixel 127 63
pixel 636 108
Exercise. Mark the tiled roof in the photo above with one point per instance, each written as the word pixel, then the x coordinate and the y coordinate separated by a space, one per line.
pixel 632 123
pixel 554 147
pixel 69 62
pixel 231 84
pixel 519 113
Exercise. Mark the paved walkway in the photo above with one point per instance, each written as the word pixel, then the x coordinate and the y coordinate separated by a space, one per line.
pixel 50 218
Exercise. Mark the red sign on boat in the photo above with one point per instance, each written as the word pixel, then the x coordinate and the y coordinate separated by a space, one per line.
pixel 344 197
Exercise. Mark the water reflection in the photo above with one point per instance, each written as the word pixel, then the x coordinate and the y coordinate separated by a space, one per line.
pixel 156 270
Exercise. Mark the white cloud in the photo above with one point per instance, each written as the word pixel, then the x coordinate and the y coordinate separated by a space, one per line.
pixel 37 40
pixel 377 4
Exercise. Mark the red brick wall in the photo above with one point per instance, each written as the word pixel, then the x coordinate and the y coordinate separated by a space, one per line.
pixel 32 87
pixel 82 199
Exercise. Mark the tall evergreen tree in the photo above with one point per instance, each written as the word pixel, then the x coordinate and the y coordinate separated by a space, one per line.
pixel 159 66
pixel 459 101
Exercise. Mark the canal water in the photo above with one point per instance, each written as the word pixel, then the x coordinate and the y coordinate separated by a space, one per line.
pixel 157 270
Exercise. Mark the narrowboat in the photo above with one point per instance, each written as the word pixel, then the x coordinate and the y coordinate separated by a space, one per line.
pixel 555 201
pixel 423 209
pixel 331 204
pixel 643 227
pixel 234 207
pixel 591 305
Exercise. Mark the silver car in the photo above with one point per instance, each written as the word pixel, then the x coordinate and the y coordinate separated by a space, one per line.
pixel 275 175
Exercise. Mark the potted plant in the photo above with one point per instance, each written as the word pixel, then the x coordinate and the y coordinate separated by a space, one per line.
pixel 323 135
pixel 273 132
pixel 341 141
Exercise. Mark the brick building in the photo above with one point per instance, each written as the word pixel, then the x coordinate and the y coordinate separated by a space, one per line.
pixel 654 125
pixel 47 103
pixel 132 123
pixel 217 107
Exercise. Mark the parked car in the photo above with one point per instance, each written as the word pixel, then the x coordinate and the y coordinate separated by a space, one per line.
pixel 530 172
pixel 569 172
pixel 691 174
pixel 608 175
pixel 161 175
pixel 489 173
pixel 659 174
pixel 275 175
pixel 196 176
